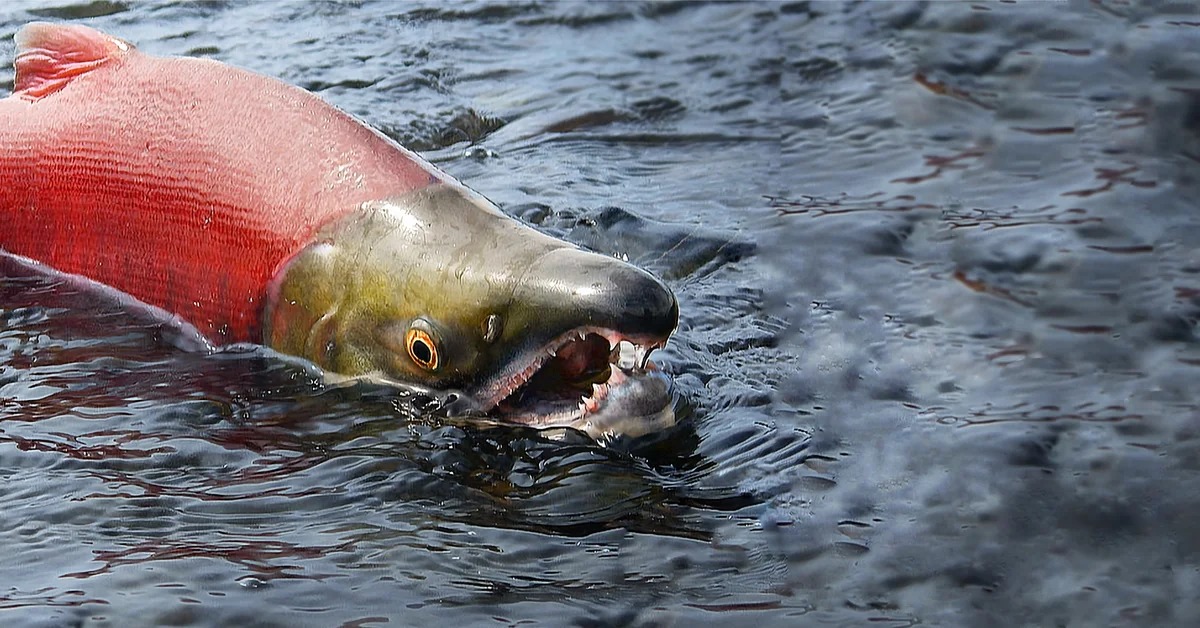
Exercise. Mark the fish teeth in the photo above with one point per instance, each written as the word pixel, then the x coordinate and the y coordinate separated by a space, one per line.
pixel 589 405
pixel 627 356
pixel 641 355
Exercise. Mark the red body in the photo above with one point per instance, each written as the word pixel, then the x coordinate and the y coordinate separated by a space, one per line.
pixel 183 182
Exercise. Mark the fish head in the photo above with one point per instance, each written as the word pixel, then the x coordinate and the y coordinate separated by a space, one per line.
pixel 439 289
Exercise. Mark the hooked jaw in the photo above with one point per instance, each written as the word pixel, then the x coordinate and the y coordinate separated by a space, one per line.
pixel 593 321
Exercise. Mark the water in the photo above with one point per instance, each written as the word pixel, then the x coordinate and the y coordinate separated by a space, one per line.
pixel 937 274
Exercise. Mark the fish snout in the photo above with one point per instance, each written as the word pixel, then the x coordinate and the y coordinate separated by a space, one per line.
pixel 575 288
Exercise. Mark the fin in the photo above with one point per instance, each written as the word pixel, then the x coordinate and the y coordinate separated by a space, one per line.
pixel 50 55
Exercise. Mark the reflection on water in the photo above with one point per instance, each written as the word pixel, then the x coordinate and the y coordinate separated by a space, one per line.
pixel 937 274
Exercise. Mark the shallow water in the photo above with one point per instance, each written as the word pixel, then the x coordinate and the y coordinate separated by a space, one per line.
pixel 938 282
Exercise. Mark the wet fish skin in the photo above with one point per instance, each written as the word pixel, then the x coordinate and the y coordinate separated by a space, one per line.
pixel 257 212
pixel 184 182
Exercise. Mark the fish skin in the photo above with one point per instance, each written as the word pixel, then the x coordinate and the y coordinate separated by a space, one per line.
pixel 259 213
pixel 186 183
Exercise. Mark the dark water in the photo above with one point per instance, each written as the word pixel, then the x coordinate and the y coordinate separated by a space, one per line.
pixel 939 284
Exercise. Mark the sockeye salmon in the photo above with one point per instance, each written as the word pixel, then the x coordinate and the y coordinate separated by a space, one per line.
pixel 259 213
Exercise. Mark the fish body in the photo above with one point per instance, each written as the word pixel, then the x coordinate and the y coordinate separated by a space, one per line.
pixel 259 213
pixel 183 182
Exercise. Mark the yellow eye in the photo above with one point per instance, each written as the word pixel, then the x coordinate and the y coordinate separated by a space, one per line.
pixel 421 349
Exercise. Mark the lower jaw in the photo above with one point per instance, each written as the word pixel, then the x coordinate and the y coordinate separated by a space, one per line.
pixel 630 404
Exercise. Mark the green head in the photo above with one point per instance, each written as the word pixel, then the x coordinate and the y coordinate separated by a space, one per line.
pixel 440 289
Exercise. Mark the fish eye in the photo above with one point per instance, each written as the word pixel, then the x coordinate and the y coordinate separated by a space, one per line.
pixel 421 348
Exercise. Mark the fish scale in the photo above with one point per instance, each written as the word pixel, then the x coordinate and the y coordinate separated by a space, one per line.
pixel 259 213
pixel 113 175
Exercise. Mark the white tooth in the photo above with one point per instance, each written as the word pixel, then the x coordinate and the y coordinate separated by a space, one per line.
pixel 641 355
pixel 595 390
pixel 627 356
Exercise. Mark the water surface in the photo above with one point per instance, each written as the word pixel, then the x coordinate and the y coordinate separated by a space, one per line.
pixel 937 274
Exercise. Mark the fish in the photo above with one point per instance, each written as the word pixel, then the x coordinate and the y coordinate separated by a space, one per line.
pixel 256 212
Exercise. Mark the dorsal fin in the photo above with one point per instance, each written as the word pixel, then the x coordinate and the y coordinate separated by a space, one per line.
pixel 50 55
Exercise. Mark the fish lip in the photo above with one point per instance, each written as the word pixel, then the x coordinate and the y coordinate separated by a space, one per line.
pixel 491 395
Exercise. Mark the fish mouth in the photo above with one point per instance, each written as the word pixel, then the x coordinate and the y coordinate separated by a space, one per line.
pixel 572 380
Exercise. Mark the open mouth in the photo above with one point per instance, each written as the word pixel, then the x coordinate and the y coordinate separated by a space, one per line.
pixel 573 377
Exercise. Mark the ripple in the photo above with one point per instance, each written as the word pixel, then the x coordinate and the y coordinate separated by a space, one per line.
pixel 82 10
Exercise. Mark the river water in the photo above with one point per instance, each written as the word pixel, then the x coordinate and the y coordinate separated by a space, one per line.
pixel 939 283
